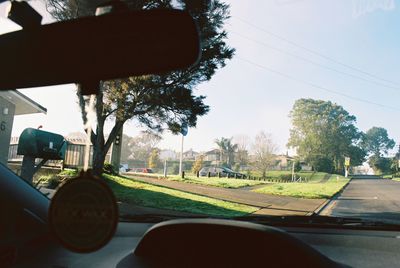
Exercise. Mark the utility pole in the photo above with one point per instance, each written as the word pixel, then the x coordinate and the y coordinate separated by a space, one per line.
pixel 165 168
pixel 181 157
pixel 184 131
pixel 293 178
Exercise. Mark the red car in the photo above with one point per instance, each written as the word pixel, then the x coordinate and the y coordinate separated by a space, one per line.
pixel 142 170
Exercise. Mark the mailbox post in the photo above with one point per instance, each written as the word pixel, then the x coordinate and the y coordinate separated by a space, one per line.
pixel 34 143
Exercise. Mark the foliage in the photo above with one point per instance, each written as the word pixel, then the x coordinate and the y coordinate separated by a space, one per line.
pixel 175 169
pixel 155 101
pixel 227 151
pixel 198 164
pixel 297 166
pixel 68 172
pixel 394 165
pixel 264 152
pixel 154 159
pixel 108 168
pixel 376 141
pixel 323 164
pixel 236 167
pixel 285 177
pixel 53 182
pixel 243 145
pixel 141 146
pixel 379 164
pixel 50 181
pixel 323 133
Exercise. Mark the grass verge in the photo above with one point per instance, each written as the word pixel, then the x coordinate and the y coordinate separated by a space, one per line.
pixel 144 194
pixel 217 182
pixel 310 190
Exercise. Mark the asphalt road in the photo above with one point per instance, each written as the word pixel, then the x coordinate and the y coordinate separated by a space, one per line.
pixel 368 198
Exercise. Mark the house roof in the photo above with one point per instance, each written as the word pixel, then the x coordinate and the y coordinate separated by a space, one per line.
pixel 190 151
pixel 23 104
pixel 214 151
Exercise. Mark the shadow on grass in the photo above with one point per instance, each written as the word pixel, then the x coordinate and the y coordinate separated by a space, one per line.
pixel 148 198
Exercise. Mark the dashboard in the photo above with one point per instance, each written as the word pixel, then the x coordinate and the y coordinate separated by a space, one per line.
pixel 346 248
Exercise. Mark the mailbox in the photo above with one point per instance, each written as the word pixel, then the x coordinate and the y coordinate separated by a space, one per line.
pixel 41 144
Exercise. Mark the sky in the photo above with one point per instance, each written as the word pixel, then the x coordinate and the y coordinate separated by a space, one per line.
pixel 343 51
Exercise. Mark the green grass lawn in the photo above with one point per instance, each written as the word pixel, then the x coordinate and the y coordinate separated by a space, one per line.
pixel 277 174
pixel 311 190
pixel 217 182
pixel 144 194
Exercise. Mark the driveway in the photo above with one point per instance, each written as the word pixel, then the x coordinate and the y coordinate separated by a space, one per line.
pixel 268 204
pixel 368 198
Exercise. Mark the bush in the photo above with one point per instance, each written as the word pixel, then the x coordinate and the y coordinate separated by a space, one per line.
pixel 380 165
pixel 323 164
pixel 175 169
pixel 236 167
pixel 285 177
pixel 53 182
pixel 68 172
pixel 108 168
pixel 297 166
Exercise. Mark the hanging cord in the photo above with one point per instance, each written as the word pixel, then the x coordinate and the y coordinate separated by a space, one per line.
pixel 91 119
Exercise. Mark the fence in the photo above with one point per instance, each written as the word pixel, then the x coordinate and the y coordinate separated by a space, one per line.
pixel 74 155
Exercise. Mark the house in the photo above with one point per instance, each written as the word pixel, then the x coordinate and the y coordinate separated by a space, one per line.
pixel 168 154
pixel 213 156
pixel 283 161
pixel 190 155
pixel 13 103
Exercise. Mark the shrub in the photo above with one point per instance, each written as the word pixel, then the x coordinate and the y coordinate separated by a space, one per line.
pixel 175 169
pixel 108 168
pixel 53 182
pixel 68 172
pixel 323 164
pixel 297 166
pixel 285 177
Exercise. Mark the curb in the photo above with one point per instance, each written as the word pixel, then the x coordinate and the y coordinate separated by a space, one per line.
pixel 327 202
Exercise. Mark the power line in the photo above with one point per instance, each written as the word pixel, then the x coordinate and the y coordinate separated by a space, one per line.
pixel 315 63
pixel 316 86
pixel 314 52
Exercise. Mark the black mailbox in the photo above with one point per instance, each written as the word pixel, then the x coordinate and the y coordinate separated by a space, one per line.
pixel 41 144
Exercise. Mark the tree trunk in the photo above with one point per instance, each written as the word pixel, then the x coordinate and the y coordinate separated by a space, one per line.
pixel 98 161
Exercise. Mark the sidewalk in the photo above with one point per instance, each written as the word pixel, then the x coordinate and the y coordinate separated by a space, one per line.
pixel 268 204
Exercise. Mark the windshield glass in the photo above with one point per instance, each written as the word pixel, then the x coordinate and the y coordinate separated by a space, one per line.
pixel 297 101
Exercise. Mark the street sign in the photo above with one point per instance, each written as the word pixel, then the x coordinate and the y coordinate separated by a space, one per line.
pixel 184 129
pixel 347 161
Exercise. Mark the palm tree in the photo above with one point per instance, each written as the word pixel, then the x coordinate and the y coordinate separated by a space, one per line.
pixel 227 150
pixel 231 149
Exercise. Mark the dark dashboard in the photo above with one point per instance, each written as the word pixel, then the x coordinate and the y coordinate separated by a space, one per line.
pixel 354 248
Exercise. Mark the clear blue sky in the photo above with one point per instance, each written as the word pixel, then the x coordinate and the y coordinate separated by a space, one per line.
pixel 246 98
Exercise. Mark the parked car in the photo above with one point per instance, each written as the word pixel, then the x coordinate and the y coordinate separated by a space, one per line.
pixel 142 170
pixel 124 168
pixel 223 171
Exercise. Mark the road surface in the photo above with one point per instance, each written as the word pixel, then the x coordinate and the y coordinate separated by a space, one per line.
pixel 368 198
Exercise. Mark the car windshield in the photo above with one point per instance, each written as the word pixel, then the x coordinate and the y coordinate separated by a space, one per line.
pixel 295 99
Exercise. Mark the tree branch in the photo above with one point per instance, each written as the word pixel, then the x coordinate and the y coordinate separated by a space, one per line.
pixel 82 106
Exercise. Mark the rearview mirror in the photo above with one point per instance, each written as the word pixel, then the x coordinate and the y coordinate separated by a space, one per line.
pixel 90 49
